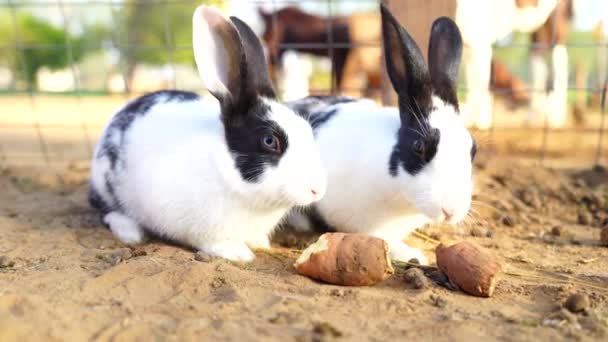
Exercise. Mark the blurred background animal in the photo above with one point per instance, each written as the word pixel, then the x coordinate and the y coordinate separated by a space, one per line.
pixel 479 32
pixel 307 33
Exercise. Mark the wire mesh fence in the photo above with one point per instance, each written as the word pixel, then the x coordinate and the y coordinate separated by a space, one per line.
pixel 67 65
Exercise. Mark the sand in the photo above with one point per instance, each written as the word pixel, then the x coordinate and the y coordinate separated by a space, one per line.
pixel 71 280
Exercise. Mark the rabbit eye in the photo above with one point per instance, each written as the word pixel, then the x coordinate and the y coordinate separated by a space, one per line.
pixel 418 147
pixel 271 143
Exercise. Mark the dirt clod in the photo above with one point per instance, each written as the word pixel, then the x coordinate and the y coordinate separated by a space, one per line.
pixel 441 279
pixel 326 329
pixel 530 197
pixel 479 232
pixel 584 218
pixel 6 263
pixel 416 277
pixel 604 236
pixel 218 282
pixel 138 251
pixel 557 231
pixel 438 301
pixel 508 221
pixel 123 253
pixel 577 302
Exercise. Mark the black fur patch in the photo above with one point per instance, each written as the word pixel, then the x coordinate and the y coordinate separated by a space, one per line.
pixel 118 126
pixel 473 149
pixel 318 110
pixel 404 152
pixel 142 105
pixel 111 151
pixel 316 120
pixel 445 51
pixel 317 221
pixel 416 140
pixel 97 201
pixel 138 107
pixel 244 139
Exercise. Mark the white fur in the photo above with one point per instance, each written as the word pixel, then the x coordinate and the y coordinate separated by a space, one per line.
pixel 177 178
pixel 179 181
pixel 124 227
pixel 361 195
pixel 295 75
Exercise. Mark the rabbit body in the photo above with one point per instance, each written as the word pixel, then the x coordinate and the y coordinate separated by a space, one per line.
pixel 392 170
pixel 216 176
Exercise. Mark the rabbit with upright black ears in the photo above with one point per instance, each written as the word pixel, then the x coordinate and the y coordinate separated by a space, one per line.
pixel 392 170
pixel 216 177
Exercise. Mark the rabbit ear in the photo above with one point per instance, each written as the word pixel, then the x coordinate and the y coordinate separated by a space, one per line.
pixel 220 57
pixel 256 61
pixel 406 67
pixel 445 51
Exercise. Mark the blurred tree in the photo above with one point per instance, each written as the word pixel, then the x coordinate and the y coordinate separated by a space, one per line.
pixel 31 43
pixel 156 33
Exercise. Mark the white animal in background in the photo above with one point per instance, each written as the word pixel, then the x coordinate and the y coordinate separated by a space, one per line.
pixel 295 76
pixel 6 78
pixel 56 80
pixel 482 23
pixel 551 38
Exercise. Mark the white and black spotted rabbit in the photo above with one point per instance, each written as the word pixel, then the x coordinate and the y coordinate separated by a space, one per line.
pixel 217 177
pixel 392 170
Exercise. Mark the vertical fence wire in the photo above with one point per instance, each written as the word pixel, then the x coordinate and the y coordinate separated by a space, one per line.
pixel 551 47
pixel 169 44
pixel 330 41
pixel 76 77
pixel 19 50
pixel 600 142
pixel 116 44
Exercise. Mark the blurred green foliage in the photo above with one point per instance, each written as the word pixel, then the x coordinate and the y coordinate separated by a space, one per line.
pixel 143 33
pixel 156 34
pixel 30 33
pixel 583 52
pixel 30 43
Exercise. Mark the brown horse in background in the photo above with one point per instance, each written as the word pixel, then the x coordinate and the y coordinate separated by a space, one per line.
pixel 311 33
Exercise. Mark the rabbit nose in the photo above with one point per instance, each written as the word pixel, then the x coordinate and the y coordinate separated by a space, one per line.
pixel 317 193
pixel 314 193
pixel 448 213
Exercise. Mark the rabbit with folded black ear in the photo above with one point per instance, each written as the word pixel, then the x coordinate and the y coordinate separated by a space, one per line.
pixel 392 170
pixel 217 177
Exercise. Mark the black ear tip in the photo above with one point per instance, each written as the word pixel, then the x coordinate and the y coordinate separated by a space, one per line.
pixel 387 17
pixel 444 24
pixel 236 20
pixel 385 12
pixel 242 27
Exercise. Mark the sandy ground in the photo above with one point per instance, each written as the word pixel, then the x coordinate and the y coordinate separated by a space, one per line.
pixel 63 276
